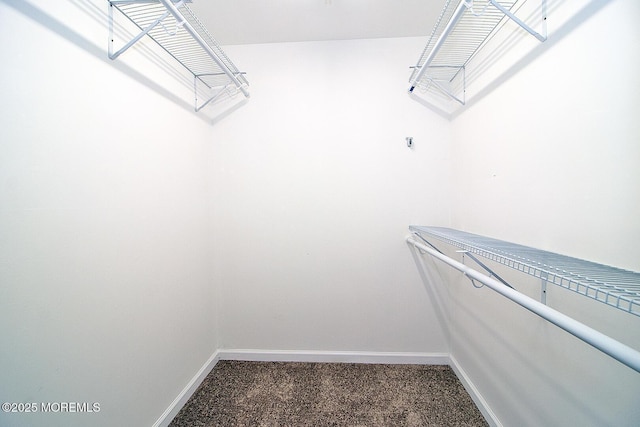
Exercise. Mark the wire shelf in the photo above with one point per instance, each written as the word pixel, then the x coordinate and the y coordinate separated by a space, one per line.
pixel 610 285
pixel 177 30
pixel 462 29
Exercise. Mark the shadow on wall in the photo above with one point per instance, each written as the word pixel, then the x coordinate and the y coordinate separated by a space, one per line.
pixel 452 109
pixel 488 345
pixel 515 391
pixel 431 280
pixel 165 64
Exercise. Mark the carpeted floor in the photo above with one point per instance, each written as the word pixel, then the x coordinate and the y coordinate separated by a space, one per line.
pixel 329 394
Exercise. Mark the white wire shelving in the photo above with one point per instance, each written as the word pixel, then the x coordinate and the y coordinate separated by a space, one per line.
pixel 610 285
pixel 483 245
pixel 176 29
pixel 461 31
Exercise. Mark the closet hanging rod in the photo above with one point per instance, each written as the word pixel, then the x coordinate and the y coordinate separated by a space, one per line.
pixel 617 350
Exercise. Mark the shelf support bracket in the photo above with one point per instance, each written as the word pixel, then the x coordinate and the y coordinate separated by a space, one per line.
pixel 212 98
pixel 522 24
pixel 205 103
pixel 134 40
pixel 447 91
pixel 487 269
pixel 543 287
pixel 470 255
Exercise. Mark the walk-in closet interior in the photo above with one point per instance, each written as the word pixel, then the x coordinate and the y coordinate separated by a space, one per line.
pixel 437 182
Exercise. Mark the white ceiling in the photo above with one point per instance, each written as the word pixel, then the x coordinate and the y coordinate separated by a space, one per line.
pixel 272 21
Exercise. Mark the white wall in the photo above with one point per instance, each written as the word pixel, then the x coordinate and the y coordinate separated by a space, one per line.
pixel 315 188
pixel 106 292
pixel 550 160
pixel 110 189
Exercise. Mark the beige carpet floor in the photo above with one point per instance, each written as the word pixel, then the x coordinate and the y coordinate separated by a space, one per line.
pixel 329 394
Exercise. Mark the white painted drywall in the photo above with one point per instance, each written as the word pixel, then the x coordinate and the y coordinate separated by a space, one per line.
pixel 314 188
pixel 106 293
pixel 110 189
pixel 550 159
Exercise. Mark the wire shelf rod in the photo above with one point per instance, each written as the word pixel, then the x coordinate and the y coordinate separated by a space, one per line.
pixel 614 286
pixel 617 350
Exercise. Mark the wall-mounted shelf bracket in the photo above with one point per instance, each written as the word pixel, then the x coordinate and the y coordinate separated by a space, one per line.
pixel 175 28
pixel 527 28
pixel 229 88
pixel 444 85
pixel 485 268
pixel 543 287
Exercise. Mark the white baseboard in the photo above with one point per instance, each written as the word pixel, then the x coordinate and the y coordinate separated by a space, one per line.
pixel 334 356
pixel 182 398
pixel 482 405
